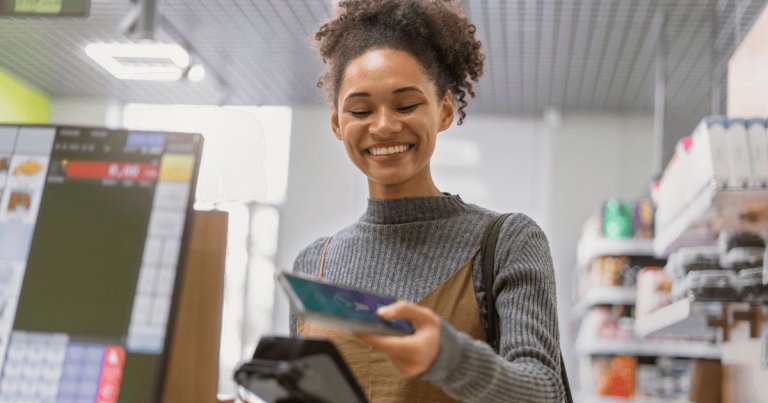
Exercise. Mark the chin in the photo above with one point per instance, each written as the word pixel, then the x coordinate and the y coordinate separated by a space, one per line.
pixel 388 180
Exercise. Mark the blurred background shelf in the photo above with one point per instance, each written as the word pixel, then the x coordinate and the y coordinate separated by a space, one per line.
pixel 605 399
pixel 592 247
pixel 605 296
pixel 684 317
pixel 637 399
pixel 711 211
pixel 648 348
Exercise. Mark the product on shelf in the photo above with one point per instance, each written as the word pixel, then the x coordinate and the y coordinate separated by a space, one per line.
pixel 752 287
pixel 648 380
pixel 653 290
pixel 757 135
pixel 643 219
pixel 765 267
pixel 739 159
pixel 607 271
pixel 698 161
pixel 616 376
pixel 602 323
pixel 740 239
pixel 709 150
pixel 741 250
pixel 711 285
pixel 617 219
pixel 722 154
pixel 666 379
pixel 742 258
pixel 674 377
pixel 690 259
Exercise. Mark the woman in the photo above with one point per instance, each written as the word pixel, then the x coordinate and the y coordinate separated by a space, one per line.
pixel 398 72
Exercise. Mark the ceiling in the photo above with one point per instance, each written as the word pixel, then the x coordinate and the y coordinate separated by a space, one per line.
pixel 590 55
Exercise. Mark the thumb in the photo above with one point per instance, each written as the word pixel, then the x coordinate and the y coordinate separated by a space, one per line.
pixel 404 310
pixel 392 310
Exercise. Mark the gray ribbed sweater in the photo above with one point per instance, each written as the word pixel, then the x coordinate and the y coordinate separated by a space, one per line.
pixel 407 247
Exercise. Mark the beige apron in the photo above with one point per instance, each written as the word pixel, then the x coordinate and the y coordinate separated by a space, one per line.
pixel 453 300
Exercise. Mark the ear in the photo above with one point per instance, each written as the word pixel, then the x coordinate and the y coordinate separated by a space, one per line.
pixel 335 124
pixel 446 111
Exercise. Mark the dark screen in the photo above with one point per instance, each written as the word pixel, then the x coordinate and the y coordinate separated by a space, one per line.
pixel 92 287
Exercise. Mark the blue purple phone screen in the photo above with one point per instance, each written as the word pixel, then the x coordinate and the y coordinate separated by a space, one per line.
pixel 344 303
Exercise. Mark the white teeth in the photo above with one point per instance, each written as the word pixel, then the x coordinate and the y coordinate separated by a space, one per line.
pixel 388 150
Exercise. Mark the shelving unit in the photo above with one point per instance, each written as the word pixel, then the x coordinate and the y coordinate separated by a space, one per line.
pixel 604 399
pixel 712 210
pixel 686 329
pixel 605 296
pixel 638 399
pixel 649 348
pixel 684 317
pixel 592 247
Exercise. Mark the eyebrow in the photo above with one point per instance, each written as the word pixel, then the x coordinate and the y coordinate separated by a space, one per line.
pixel 406 89
pixel 397 91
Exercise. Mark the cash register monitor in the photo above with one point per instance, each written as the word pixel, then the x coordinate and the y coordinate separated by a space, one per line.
pixel 93 224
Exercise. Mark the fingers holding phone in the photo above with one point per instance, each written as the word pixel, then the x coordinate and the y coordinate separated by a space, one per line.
pixel 411 354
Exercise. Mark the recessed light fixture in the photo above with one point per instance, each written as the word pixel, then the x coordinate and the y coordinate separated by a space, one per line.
pixel 141 61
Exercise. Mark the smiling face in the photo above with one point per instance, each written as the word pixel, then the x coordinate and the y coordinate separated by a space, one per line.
pixel 388 115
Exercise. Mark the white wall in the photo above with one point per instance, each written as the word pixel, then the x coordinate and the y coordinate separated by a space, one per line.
pixel 508 172
pixel 747 81
pixel 86 112
pixel 593 157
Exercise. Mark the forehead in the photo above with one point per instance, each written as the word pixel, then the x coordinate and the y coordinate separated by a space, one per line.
pixel 380 68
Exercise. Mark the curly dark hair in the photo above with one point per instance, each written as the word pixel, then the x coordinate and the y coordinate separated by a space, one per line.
pixel 435 32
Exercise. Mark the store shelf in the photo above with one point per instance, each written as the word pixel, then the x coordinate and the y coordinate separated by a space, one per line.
pixel 684 317
pixel 607 399
pixel 590 248
pixel 649 348
pixel 712 210
pixel 605 296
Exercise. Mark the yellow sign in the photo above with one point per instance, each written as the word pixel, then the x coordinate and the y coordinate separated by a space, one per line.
pixel 38 6
pixel 176 167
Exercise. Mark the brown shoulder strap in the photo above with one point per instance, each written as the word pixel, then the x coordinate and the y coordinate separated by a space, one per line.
pixel 493 331
pixel 322 257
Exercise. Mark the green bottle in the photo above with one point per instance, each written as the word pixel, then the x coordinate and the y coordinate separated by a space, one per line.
pixel 617 219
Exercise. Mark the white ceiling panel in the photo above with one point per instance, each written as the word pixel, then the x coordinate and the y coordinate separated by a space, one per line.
pixel 573 55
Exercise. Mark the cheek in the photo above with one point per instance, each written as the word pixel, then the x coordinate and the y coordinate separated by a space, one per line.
pixel 425 128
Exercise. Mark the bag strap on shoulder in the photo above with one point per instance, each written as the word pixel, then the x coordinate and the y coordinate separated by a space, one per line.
pixel 492 329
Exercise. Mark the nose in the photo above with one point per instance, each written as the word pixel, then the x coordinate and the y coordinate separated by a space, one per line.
pixel 385 123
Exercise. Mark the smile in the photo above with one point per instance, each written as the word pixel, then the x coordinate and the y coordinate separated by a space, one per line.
pixel 381 151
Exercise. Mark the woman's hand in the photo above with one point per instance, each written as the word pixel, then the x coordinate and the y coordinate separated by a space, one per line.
pixel 412 355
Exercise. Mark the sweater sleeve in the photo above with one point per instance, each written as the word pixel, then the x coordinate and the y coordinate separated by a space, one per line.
pixel 527 368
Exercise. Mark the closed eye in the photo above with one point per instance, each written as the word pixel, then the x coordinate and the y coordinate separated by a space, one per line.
pixel 359 114
pixel 407 108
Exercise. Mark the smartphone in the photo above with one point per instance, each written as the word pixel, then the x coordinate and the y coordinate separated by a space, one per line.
pixel 340 306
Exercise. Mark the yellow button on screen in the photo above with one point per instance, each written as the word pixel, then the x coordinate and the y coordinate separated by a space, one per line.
pixel 176 167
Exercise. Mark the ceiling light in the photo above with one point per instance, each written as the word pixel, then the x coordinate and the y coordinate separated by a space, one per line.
pixel 196 73
pixel 140 61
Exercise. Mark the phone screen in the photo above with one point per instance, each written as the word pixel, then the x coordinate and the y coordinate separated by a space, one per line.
pixel 344 303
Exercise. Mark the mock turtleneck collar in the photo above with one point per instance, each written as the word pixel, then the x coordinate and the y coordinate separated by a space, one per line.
pixel 412 209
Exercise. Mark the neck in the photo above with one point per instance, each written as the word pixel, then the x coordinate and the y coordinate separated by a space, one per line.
pixel 419 186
